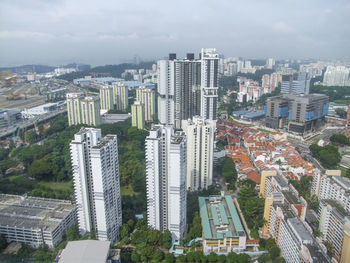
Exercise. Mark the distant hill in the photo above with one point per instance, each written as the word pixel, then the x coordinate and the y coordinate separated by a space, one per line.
pixel 42 68
pixel 106 71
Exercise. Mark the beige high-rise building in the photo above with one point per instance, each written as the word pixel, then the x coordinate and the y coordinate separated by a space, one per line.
pixel 120 96
pixel 106 98
pixel 147 97
pixel 264 185
pixel 138 115
pixel 345 254
pixel 73 107
pixel 83 110
pixel 90 111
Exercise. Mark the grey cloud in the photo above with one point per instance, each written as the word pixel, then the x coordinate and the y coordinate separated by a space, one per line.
pixel 104 32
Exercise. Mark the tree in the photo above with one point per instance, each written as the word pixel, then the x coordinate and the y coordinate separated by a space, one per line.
pixel 213 257
pixel 166 239
pixel 73 233
pixel 30 137
pixel 341 113
pixel 124 231
pixel 3 243
pixel 181 259
pixel 169 258
pixel 135 256
pixel 158 256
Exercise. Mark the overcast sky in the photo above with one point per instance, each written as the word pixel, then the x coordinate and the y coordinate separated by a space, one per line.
pixel 110 32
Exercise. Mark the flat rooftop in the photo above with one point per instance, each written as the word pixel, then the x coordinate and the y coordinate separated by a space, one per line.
pixel 85 251
pixel 32 212
pixel 343 182
pixel 342 212
pixel 220 218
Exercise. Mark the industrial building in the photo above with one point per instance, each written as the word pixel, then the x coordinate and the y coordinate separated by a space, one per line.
pixel 296 112
pixel 9 118
pixel 222 228
pixel 88 251
pixel 35 221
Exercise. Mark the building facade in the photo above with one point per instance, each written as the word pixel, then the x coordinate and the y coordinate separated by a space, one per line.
pixel 200 151
pixel 138 115
pixel 297 113
pixel 83 110
pixel 223 231
pixel 147 97
pixel 90 111
pixel 179 89
pixel 166 180
pixel 35 221
pixel 106 98
pixel 96 183
pixel 296 83
pixel 120 96
pixel 209 83
pixel 336 76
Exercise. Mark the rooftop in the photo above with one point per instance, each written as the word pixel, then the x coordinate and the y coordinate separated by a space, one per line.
pixel 220 217
pixel 32 212
pixel 85 251
pixel 343 182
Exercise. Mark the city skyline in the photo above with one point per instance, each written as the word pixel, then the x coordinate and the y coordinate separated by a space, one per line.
pixel 110 34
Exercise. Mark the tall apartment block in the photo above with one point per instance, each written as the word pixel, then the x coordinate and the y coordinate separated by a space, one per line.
pixel 200 151
pixel 73 107
pixel 296 83
pixel 83 110
pixel 179 89
pixel 120 96
pixel 284 213
pixel 106 98
pixel 96 183
pixel 332 186
pixel 138 115
pixel 332 221
pixel 347 126
pixel 337 76
pixel 297 113
pixel 209 83
pixel 147 97
pixel 166 180
pixel 90 111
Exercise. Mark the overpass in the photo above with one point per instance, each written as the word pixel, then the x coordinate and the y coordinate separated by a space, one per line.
pixel 28 124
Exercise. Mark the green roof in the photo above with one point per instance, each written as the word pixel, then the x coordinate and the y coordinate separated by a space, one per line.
pixel 233 211
pixel 219 217
pixel 204 218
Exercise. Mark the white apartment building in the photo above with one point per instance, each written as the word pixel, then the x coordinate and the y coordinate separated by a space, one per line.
pixel 270 63
pixel 96 183
pixel 336 76
pixel 332 187
pixel 166 180
pixel 209 82
pixel 35 221
pixel 332 219
pixel 200 150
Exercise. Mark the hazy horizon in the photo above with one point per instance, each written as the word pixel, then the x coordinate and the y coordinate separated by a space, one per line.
pixel 108 32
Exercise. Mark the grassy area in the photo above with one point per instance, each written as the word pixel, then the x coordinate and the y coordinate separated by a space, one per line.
pixel 346 102
pixel 127 190
pixel 263 130
pixel 58 185
pixel 343 171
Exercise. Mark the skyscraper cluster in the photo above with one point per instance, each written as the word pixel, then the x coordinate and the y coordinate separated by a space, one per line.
pixel 182 160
